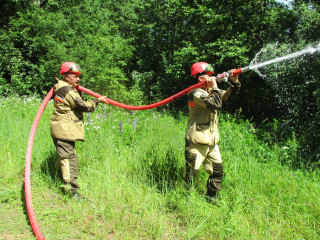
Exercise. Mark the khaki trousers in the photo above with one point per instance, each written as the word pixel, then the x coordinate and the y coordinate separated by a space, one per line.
pixel 68 162
pixel 208 156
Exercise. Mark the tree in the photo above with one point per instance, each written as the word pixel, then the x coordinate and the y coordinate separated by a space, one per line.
pixel 40 39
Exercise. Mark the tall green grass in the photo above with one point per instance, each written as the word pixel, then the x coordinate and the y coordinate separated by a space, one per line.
pixel 133 180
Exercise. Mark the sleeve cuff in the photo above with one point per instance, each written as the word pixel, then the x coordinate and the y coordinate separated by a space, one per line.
pixel 237 84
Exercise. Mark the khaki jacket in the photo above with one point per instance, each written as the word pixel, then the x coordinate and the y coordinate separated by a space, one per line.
pixel 202 126
pixel 67 118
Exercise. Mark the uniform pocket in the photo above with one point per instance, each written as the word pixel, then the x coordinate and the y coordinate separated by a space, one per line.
pixel 202 126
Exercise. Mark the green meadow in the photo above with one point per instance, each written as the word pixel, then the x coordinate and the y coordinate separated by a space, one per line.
pixel 131 171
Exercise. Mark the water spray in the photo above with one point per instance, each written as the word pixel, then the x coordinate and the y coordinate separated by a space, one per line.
pixel 309 50
pixel 223 77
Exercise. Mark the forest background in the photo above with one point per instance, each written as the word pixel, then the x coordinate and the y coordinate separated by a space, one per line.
pixel 140 52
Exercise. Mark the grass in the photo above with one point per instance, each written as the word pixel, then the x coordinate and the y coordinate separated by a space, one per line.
pixel 134 181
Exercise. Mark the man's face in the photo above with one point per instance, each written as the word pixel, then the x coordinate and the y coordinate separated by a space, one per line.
pixel 72 79
pixel 204 77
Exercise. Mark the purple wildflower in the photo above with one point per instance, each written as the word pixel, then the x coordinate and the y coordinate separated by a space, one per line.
pixel 104 111
pixel 127 118
pixel 88 116
pixel 135 123
pixel 121 127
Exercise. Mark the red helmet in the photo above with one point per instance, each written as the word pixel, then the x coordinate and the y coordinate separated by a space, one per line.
pixel 70 67
pixel 201 67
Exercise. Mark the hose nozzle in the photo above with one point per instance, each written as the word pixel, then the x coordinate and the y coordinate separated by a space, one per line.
pixel 240 70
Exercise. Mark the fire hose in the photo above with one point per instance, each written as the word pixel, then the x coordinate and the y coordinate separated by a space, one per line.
pixel 223 77
pixel 27 171
pixel 27 182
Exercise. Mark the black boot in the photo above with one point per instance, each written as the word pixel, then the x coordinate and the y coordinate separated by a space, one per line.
pixel 210 193
pixel 211 197
pixel 79 197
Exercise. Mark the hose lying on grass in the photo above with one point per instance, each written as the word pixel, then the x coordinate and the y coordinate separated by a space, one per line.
pixel 27 171
pixel 27 181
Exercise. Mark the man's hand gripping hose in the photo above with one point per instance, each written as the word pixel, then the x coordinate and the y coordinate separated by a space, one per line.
pixel 223 77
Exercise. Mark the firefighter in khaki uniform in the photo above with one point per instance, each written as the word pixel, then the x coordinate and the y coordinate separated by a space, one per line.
pixel 67 124
pixel 202 135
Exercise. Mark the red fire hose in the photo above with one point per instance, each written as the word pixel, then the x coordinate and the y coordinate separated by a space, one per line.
pixel 27 181
pixel 154 105
pixel 220 77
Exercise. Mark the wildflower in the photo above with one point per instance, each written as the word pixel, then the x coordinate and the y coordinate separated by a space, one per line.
pixel 88 116
pixel 121 127
pixel 135 123
pixel 104 111
pixel 127 118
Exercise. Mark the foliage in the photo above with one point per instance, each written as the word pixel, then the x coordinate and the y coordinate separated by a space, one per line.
pixel 139 52
pixel 134 181
pixel 33 53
